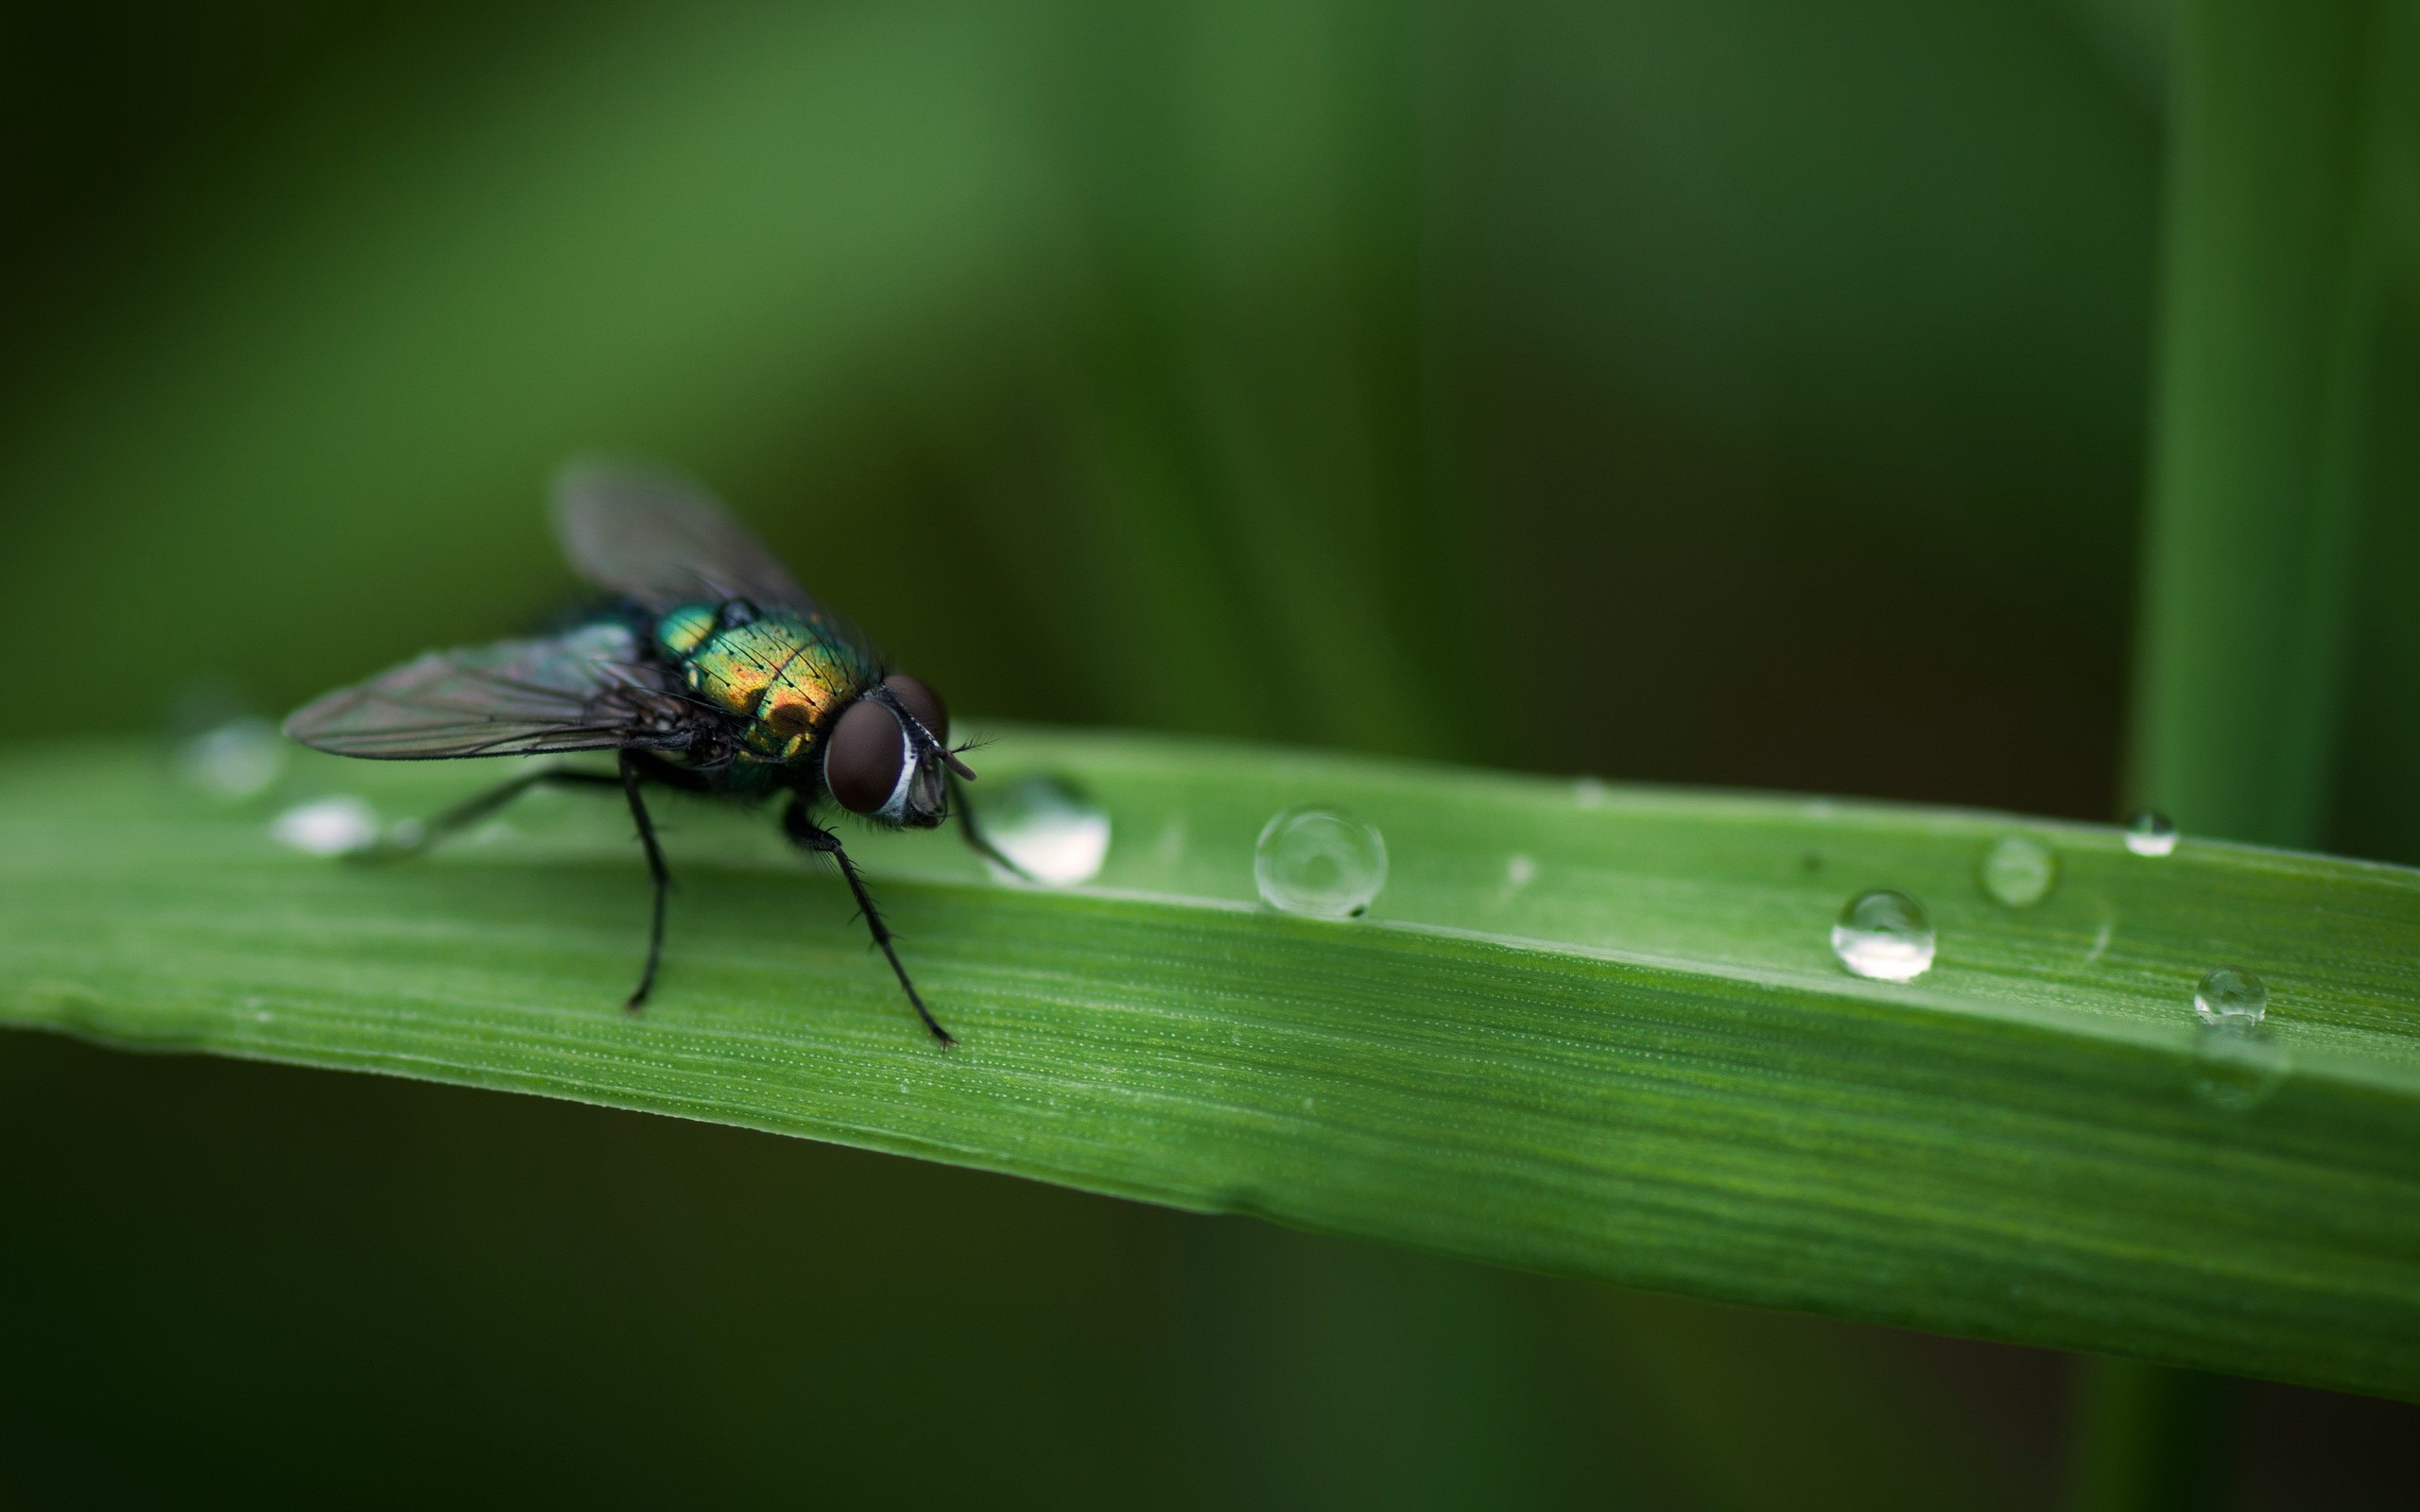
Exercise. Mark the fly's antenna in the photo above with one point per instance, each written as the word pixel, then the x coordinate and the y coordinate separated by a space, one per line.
pixel 923 737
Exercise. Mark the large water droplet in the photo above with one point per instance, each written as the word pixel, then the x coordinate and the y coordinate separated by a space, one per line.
pixel 1319 862
pixel 2150 833
pixel 1048 827
pixel 327 827
pixel 1884 934
pixel 2237 1064
pixel 233 760
pixel 2231 994
pixel 2020 871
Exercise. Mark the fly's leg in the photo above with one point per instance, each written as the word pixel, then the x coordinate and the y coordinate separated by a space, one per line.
pixel 416 837
pixel 974 834
pixel 632 761
pixel 806 833
pixel 635 765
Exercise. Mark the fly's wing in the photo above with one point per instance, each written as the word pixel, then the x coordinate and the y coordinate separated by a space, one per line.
pixel 663 539
pixel 585 691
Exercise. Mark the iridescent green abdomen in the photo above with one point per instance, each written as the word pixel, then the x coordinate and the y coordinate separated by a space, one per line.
pixel 782 673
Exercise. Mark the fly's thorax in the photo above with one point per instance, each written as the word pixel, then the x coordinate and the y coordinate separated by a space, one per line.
pixel 685 629
pixel 777 672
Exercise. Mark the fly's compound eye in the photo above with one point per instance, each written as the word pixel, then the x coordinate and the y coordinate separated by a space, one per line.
pixel 918 699
pixel 862 760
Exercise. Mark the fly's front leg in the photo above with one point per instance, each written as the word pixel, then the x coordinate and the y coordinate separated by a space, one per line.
pixel 974 834
pixel 803 829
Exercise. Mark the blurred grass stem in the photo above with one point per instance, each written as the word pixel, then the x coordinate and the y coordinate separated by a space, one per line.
pixel 2266 299
pixel 2269 291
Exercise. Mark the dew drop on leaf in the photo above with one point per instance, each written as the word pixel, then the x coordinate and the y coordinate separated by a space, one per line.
pixel 1321 862
pixel 1884 934
pixel 327 826
pixel 2020 871
pixel 2230 994
pixel 233 760
pixel 2150 833
pixel 1046 825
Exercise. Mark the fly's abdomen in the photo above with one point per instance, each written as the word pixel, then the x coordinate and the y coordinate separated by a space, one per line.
pixel 777 673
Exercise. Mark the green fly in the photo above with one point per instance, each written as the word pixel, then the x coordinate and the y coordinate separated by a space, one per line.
pixel 710 671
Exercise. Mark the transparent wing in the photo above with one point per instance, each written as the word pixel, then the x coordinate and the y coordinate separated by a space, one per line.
pixel 584 690
pixel 662 539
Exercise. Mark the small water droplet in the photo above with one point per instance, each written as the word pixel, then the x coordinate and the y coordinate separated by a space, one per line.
pixel 1520 872
pixel 2020 871
pixel 1884 934
pixel 1588 793
pixel 2237 1064
pixel 232 760
pixel 2231 994
pixel 1046 826
pixel 2150 833
pixel 1319 862
pixel 327 826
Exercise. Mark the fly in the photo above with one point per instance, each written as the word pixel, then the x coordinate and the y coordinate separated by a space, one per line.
pixel 712 672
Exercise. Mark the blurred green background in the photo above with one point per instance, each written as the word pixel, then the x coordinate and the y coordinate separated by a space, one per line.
pixel 1731 392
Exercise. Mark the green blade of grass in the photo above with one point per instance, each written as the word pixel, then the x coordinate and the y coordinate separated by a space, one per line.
pixel 2269 302
pixel 1584 1029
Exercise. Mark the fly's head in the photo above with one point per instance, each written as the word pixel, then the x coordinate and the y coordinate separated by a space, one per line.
pixel 887 757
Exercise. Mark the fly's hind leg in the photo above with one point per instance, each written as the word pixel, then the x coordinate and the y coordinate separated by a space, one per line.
pixel 635 765
pixel 415 835
pixel 808 835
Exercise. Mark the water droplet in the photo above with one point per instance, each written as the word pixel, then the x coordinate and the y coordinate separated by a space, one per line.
pixel 232 760
pixel 1046 826
pixel 1588 793
pixel 1884 934
pixel 2230 994
pixel 327 826
pixel 2020 871
pixel 2150 833
pixel 1520 872
pixel 1319 862
pixel 2237 1064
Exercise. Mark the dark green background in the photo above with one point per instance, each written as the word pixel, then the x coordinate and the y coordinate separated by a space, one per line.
pixel 1736 392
